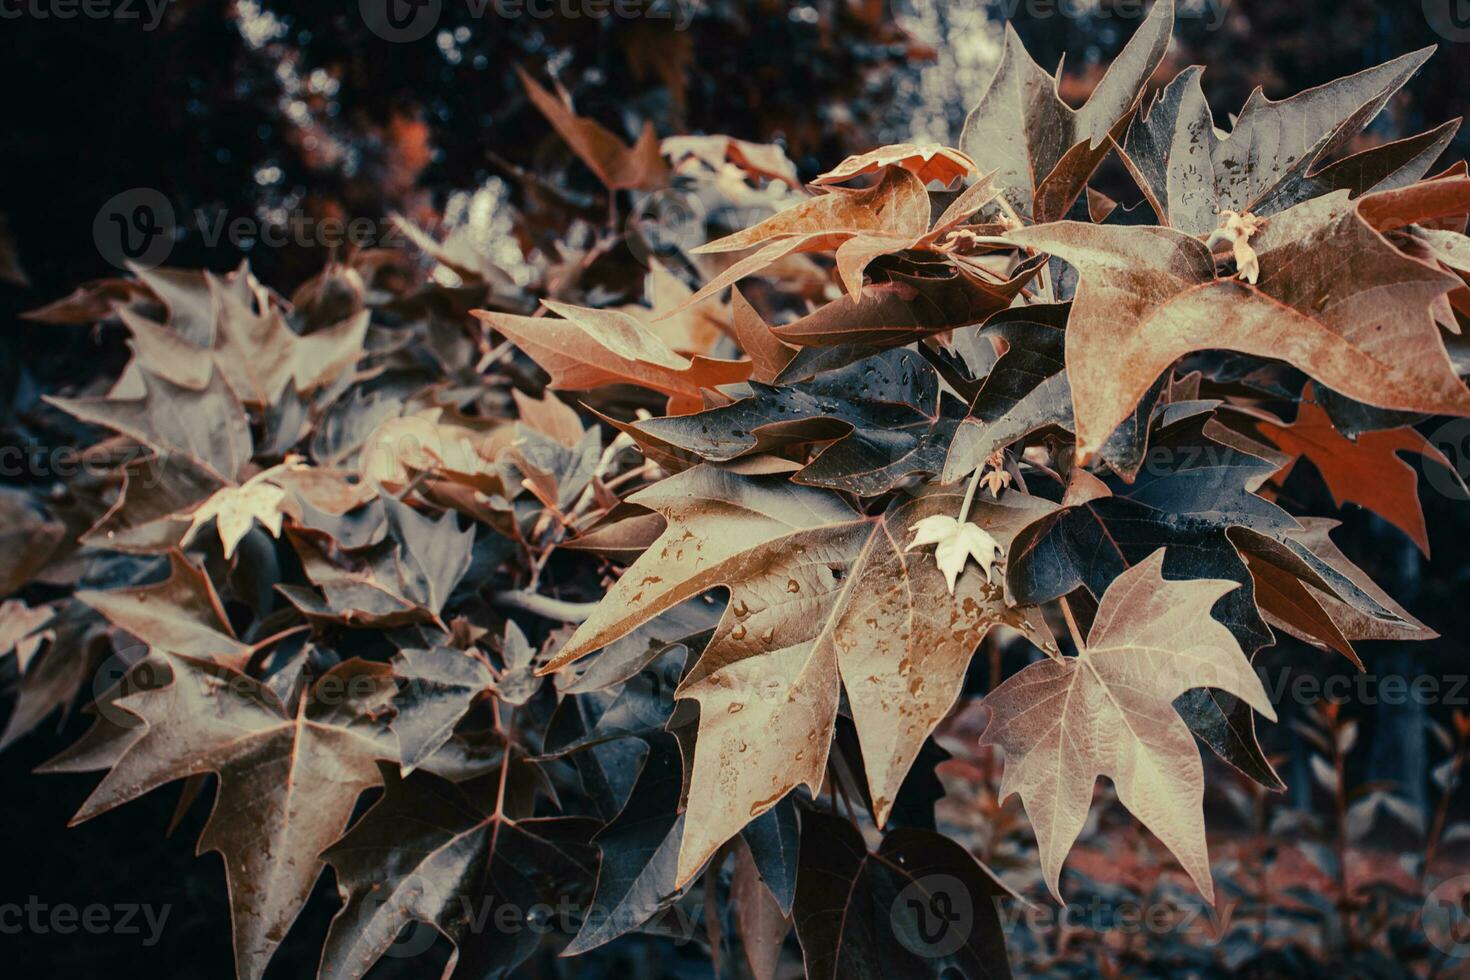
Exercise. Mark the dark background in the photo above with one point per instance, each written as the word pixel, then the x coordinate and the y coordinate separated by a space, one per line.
pixel 219 113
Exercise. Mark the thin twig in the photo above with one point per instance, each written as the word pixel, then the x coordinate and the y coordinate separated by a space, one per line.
pixel 545 606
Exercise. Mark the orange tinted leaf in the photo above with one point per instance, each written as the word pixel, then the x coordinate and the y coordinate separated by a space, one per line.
pixel 1366 471
pixel 587 349
pixel 926 161
pixel 617 165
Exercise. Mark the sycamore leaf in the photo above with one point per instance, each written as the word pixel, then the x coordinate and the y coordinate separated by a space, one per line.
pixel 235 510
pixel 640 852
pixel 766 351
pixel 1365 471
pixel 957 543
pixel 287 783
pixel 920 906
pixel 587 349
pixel 1026 391
pixel 926 161
pixel 1334 299
pixel 406 578
pixel 1195 499
pixel 181 614
pixel 759 920
pixel 440 686
pixel 766 160
pixel 1191 173
pixel 435 852
pixel 906 307
pixel 816 589
pixel 1043 150
pixel 209 426
pixel 616 164
pixel 883 415
pixel 897 205
pixel 22 630
pixel 1383 167
pixel 258 354
pixel 1107 712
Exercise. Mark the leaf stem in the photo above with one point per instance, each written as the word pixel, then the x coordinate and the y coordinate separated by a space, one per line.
pixel 277 637
pixel 545 606
pixel 1072 625
pixel 970 493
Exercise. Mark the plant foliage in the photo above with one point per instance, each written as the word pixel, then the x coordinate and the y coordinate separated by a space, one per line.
pixel 571 595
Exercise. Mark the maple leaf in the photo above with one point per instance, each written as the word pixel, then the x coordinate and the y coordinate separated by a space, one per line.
pixel 1318 615
pixel 22 630
pixel 861 225
pixel 615 163
pixel 258 353
pixel 435 852
pixel 235 510
pixel 1027 391
pixel 154 492
pixel 209 426
pixel 406 578
pixel 1334 299
pixel 766 351
pixel 905 307
pixel 182 614
pixel 440 686
pixel 926 161
pixel 1366 470
pixel 861 913
pixel 28 540
pixel 1202 509
pixel 883 416
pixel 288 782
pixel 817 589
pixel 897 205
pixel 1107 712
pixel 957 542
pixel 760 922
pixel 587 349
pixel 640 852
pixel 761 160
pixel 1042 150
pixel 551 417
pixel 691 330
pixel 1192 175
